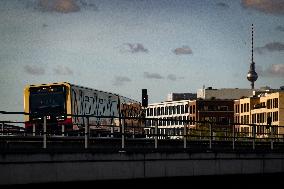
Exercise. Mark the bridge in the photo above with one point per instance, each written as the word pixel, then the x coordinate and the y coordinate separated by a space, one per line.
pixel 40 156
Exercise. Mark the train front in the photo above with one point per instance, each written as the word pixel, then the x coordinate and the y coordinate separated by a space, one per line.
pixel 48 100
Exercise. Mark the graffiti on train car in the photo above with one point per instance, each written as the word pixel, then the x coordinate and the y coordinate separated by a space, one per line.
pixel 87 102
pixel 131 109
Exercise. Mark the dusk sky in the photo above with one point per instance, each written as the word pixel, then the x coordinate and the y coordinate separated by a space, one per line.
pixel 122 46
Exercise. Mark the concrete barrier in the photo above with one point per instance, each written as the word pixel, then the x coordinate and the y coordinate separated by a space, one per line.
pixel 25 168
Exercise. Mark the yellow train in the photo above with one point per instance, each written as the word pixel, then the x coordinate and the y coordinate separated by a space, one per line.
pixel 74 106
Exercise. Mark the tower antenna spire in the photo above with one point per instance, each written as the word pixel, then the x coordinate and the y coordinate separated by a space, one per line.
pixel 252 43
pixel 252 75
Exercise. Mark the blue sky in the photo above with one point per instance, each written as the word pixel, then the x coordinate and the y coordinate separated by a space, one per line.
pixel 123 46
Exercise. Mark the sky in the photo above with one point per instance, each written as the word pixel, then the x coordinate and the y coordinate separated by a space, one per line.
pixel 123 46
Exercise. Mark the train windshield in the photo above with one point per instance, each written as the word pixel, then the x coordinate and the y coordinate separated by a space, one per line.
pixel 47 100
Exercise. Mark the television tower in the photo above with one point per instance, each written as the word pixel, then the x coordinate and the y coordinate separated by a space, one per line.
pixel 252 75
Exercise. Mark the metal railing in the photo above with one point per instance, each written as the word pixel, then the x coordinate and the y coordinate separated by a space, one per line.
pixel 187 135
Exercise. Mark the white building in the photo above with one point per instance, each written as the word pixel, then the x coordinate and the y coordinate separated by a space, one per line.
pixel 224 93
pixel 169 114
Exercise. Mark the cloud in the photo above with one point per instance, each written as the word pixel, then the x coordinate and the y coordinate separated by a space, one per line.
pixel 121 80
pixel 182 50
pixel 266 6
pixel 280 28
pixel 275 70
pixel 61 6
pixel 134 48
pixel 223 5
pixel 63 70
pixel 271 47
pixel 152 75
pixel 173 77
pixel 34 70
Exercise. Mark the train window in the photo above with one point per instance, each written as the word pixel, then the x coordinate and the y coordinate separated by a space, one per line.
pixel 47 100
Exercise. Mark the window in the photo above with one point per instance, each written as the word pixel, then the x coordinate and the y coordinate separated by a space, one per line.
pixel 160 122
pixel 193 109
pixel 247 119
pixel 168 122
pixel 211 108
pixel 151 111
pixel 205 108
pixel 223 120
pixel 164 122
pixel 176 121
pixel 267 104
pixel 275 103
pixel 182 109
pixel 178 109
pixel 275 116
pixel 186 108
pixel 162 111
pixel 223 108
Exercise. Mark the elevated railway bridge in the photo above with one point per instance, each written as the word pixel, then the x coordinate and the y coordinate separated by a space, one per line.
pixel 44 156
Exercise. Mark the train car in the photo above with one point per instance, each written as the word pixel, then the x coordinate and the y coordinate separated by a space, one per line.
pixel 74 106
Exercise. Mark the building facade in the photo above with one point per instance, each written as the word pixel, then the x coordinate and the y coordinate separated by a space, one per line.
pixel 169 116
pixel 219 111
pixel 172 116
pixel 262 111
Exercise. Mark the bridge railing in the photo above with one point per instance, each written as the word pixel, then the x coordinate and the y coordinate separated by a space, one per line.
pixel 184 134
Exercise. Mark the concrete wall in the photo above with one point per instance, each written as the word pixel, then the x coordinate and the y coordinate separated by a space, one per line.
pixel 63 167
